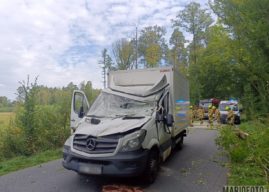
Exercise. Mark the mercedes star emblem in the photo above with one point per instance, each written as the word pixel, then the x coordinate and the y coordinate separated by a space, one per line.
pixel 91 143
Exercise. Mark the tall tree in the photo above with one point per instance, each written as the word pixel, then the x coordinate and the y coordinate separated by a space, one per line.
pixel 109 63
pixel 219 75
pixel 195 20
pixel 124 53
pixel 89 91
pixel 178 52
pixel 152 46
pixel 28 92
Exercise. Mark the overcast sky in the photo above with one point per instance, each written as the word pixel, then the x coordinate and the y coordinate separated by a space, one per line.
pixel 61 40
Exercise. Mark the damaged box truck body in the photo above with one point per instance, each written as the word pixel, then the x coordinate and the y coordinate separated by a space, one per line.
pixel 131 127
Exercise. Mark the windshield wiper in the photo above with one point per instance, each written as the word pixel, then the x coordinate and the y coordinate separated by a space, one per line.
pixel 95 116
pixel 132 116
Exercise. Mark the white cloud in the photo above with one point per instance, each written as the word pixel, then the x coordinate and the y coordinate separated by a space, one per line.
pixel 61 41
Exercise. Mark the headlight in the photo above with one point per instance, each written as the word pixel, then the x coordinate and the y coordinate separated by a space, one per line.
pixel 133 141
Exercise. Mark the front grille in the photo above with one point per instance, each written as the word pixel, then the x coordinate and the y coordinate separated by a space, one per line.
pixel 95 145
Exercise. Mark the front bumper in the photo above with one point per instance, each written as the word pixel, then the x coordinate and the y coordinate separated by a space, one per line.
pixel 206 115
pixel 122 164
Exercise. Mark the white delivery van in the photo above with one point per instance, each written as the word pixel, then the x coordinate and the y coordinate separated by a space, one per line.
pixel 132 126
pixel 232 104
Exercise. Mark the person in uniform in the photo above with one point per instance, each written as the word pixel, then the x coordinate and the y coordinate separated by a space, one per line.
pixel 195 115
pixel 230 116
pixel 191 114
pixel 210 116
pixel 217 116
pixel 201 114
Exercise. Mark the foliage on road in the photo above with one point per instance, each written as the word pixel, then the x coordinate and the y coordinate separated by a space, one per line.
pixel 249 158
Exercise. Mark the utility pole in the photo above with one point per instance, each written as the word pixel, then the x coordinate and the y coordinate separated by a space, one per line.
pixel 136 66
pixel 104 70
pixel 103 62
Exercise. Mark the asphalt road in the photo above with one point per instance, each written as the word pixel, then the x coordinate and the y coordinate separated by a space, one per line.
pixel 198 167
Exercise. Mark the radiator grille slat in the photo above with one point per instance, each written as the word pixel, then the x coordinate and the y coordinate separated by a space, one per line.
pixel 101 145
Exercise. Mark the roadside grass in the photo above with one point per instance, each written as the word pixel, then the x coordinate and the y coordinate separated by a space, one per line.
pixel 249 159
pixel 22 162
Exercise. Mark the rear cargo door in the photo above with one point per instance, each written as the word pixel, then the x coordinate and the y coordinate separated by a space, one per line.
pixel 79 108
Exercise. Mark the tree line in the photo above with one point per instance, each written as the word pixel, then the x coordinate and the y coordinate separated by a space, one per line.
pixel 6 105
pixel 42 118
pixel 227 57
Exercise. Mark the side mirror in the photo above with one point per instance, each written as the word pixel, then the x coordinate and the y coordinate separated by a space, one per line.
pixel 169 120
pixel 159 117
pixel 81 112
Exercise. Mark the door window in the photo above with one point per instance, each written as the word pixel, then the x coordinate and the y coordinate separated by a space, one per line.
pixel 80 104
pixel 165 104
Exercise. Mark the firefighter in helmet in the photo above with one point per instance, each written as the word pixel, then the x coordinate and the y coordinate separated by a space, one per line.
pixel 210 116
pixel 230 116
pixel 191 114
pixel 217 116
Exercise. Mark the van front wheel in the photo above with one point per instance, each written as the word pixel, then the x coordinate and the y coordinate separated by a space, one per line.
pixel 152 167
pixel 179 145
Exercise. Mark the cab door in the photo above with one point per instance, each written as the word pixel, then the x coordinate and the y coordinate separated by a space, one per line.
pixel 79 108
pixel 165 136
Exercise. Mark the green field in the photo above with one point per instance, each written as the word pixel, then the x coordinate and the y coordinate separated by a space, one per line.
pixel 5 119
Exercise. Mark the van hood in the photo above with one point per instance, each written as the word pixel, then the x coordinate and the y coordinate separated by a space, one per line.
pixel 109 126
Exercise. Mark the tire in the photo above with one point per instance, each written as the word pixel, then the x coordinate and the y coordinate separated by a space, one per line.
pixel 237 121
pixel 179 145
pixel 152 167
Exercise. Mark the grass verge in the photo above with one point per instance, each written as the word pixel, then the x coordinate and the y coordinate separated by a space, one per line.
pixel 22 162
pixel 249 159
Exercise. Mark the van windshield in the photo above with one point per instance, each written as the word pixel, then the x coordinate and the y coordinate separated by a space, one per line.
pixel 206 104
pixel 109 105
pixel 224 105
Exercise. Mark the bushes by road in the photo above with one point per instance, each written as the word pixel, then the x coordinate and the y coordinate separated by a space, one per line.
pixel 249 160
pixel 49 132
pixel 41 119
